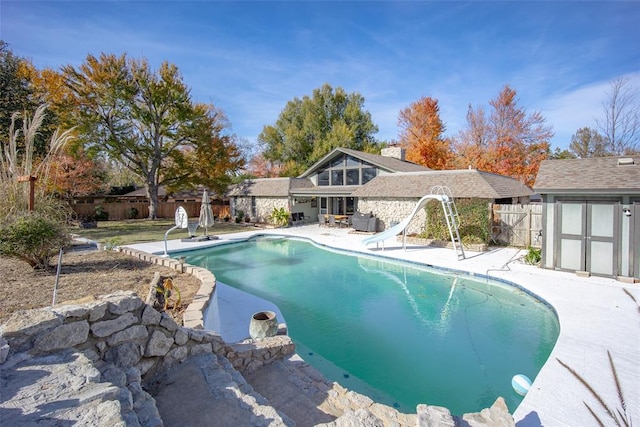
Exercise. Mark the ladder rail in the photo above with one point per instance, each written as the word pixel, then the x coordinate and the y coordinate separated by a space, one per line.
pixel 452 217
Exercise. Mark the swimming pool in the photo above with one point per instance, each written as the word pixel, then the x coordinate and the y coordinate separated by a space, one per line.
pixel 399 332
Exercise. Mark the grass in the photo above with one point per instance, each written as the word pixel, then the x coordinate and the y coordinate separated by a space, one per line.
pixel 144 230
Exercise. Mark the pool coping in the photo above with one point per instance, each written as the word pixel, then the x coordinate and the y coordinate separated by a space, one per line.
pixel 584 307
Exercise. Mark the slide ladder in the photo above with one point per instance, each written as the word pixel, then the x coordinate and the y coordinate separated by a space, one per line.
pixel 452 217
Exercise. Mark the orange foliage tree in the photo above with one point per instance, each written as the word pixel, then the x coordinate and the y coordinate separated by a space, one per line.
pixel 422 134
pixel 261 167
pixel 509 142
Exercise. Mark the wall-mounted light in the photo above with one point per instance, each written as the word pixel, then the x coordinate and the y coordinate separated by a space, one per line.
pixel 627 212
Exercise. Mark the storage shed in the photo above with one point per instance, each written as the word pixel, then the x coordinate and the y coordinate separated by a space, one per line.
pixel 591 216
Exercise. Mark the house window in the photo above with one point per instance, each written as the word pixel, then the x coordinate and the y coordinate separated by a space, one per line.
pixel 345 170
pixel 368 174
pixel 337 177
pixel 353 177
pixel 323 178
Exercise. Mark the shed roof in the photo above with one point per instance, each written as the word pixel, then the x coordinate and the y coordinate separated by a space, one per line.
pixel 593 175
pixel 390 164
pixel 462 183
pixel 269 187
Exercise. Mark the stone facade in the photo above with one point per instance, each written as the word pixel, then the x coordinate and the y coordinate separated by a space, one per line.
pixel 263 207
pixel 389 211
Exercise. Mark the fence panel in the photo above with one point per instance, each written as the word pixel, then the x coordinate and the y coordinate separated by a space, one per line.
pixel 517 225
pixel 122 210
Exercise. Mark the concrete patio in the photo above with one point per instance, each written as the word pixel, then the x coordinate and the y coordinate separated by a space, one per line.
pixel 596 315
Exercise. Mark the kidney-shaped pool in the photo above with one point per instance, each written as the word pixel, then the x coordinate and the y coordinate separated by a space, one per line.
pixel 400 333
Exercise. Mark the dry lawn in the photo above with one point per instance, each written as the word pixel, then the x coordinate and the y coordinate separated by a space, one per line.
pixel 84 275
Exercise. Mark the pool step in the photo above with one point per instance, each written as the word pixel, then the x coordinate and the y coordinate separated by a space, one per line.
pixel 206 390
pixel 302 393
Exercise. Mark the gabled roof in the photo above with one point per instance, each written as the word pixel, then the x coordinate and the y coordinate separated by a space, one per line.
pixel 462 183
pixel 595 175
pixel 389 164
pixel 268 187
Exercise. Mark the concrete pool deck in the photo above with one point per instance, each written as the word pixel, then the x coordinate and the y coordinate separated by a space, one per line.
pixel 595 315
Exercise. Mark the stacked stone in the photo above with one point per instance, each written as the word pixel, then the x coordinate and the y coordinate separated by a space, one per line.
pixel 123 341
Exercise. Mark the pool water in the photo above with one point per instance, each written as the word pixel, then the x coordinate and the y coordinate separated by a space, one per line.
pixel 397 332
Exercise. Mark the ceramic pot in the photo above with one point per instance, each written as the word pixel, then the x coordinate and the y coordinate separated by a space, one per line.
pixel 263 324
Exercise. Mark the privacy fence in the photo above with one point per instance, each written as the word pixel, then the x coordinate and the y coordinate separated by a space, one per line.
pixel 517 225
pixel 138 210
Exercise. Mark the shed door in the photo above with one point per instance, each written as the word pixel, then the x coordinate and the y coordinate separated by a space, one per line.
pixel 601 234
pixel 571 247
pixel 588 237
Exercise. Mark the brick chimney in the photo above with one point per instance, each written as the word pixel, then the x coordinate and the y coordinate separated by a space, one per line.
pixel 395 152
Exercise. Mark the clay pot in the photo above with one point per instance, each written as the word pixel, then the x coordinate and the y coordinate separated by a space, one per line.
pixel 263 324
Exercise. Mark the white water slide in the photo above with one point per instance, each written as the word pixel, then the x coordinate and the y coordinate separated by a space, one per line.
pixel 439 193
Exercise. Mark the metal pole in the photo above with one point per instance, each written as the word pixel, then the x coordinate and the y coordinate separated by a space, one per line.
pixel 55 288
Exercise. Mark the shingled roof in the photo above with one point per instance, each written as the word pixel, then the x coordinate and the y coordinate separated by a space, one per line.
pixel 462 183
pixel 268 187
pixel 594 175
pixel 389 164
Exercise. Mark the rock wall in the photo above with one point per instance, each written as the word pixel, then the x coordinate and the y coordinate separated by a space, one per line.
pixel 118 340
pixel 393 210
pixel 264 207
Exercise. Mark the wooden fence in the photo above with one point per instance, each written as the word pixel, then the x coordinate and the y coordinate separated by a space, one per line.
pixel 517 225
pixel 139 210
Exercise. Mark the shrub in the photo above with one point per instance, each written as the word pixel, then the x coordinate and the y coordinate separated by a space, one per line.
pixel 101 214
pixel 131 213
pixel 474 221
pixel 239 216
pixel 533 256
pixel 33 238
pixel 280 217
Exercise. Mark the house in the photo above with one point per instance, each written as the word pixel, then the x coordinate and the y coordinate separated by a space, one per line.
pixel 591 215
pixel 347 181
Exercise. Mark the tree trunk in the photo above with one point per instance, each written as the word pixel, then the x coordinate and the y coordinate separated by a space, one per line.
pixel 152 194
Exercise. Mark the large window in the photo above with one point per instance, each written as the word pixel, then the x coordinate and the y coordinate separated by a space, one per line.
pixel 346 170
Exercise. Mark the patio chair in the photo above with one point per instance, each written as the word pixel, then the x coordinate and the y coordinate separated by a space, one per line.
pixel 322 220
pixel 332 221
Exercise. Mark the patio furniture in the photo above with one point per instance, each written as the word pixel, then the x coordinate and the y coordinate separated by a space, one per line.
pixel 322 220
pixel 364 222
pixel 332 220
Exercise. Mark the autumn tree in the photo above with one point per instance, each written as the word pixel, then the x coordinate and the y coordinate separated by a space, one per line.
pixel 309 128
pixel 260 167
pixel 147 121
pixel 621 123
pixel 587 142
pixel 76 175
pixel 422 134
pixel 509 142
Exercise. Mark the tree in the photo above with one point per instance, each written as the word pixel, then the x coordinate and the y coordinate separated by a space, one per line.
pixel 559 154
pixel 587 142
pixel 309 128
pixel 621 123
pixel 15 90
pixel 421 133
pixel 260 167
pixel 76 175
pixel 510 142
pixel 147 121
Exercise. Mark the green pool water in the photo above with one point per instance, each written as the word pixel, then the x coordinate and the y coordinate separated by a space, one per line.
pixel 401 333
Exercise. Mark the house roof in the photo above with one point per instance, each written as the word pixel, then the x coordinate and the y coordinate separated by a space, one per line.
pixel 462 183
pixel 593 175
pixel 389 164
pixel 269 187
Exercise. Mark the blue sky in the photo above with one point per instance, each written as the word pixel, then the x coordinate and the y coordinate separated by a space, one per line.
pixel 251 58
